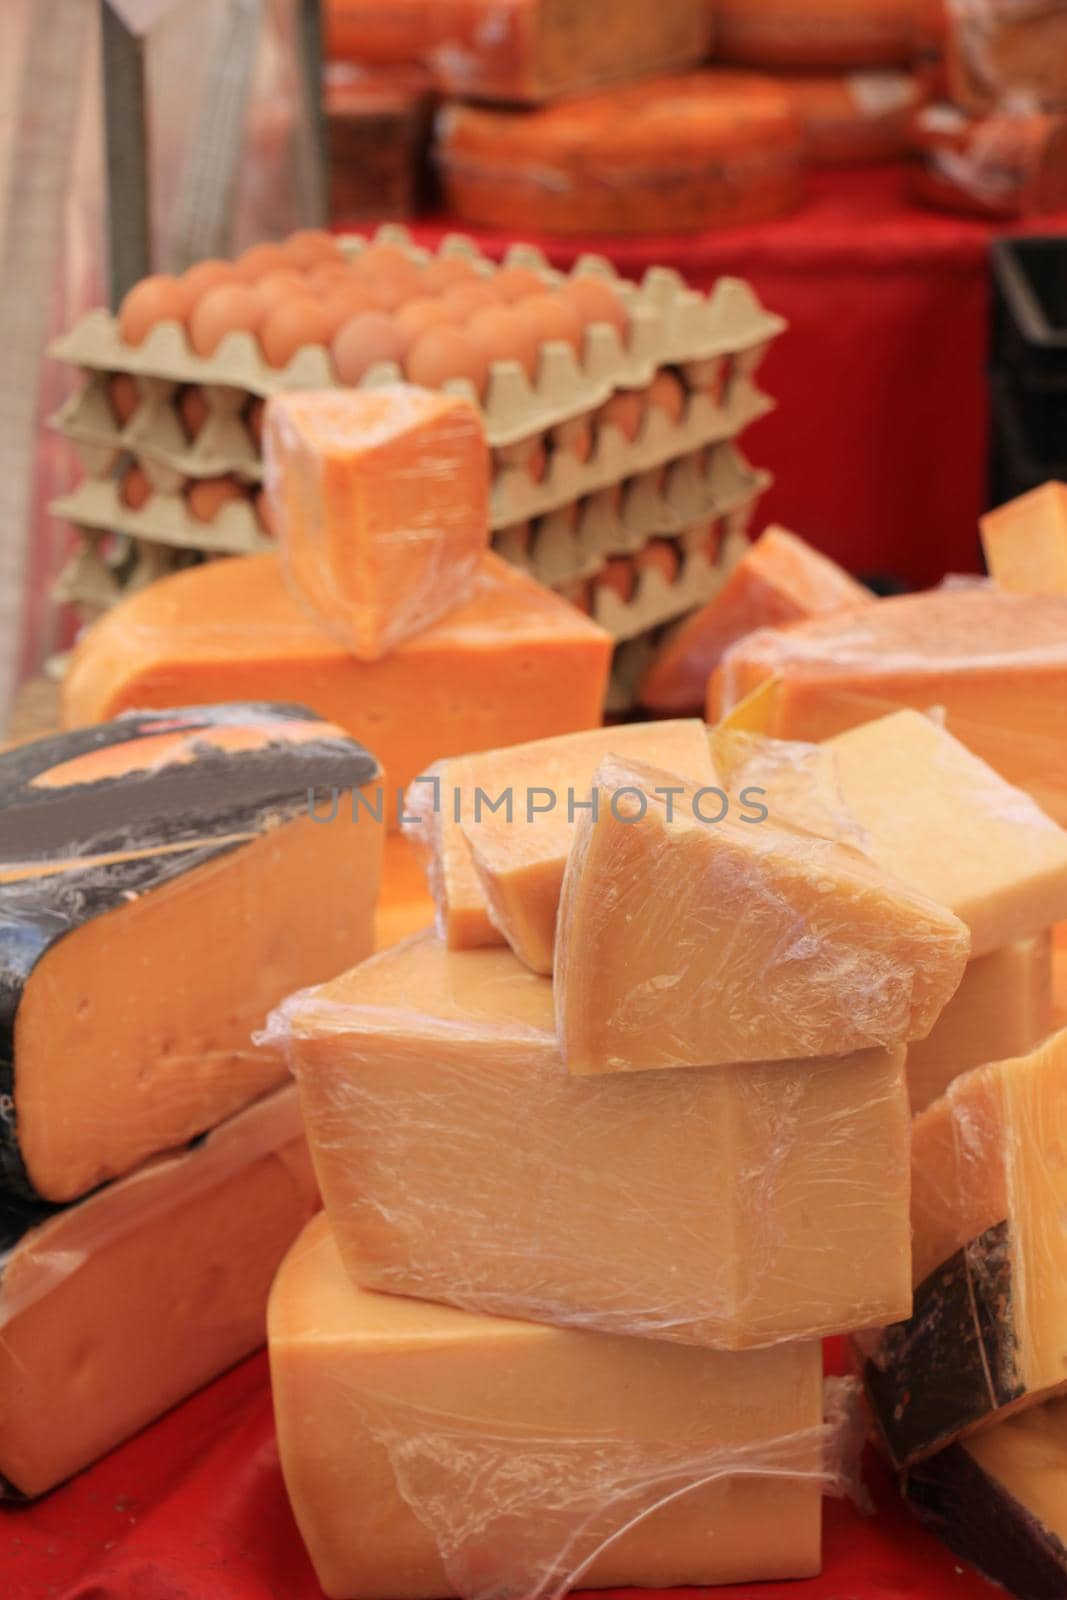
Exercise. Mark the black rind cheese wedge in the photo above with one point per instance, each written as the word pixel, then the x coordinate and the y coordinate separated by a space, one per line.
pixel 165 880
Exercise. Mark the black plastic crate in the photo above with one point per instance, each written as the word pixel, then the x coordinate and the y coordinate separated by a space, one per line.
pixel 1015 465
pixel 1030 310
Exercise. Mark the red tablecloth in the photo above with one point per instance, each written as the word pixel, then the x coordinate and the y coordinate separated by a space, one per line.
pixel 879 443
pixel 194 1508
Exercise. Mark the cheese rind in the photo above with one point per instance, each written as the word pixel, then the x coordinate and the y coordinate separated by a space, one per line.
pixel 685 941
pixel 1025 542
pixel 495 829
pixel 731 1206
pixel 114 1309
pixel 511 663
pixel 488 1456
pixel 164 884
pixel 380 504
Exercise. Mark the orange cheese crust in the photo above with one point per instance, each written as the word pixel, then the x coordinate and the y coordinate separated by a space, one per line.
pixel 853 119
pixel 821 34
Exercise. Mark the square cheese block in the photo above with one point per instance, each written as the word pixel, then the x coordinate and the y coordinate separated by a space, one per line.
pixel 379 499
pixel 164 882
pixel 513 662
pixel 1003 1008
pixel 692 932
pixel 429 1452
pixel 996 662
pixel 495 828
pixel 989 1194
pixel 114 1309
pixel 1025 542
pixel 779 579
pixel 997 1499
pixel 730 1206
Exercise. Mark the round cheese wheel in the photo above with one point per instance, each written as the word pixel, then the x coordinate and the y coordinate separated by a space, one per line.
pixel 700 150
pixel 852 118
pixel 817 33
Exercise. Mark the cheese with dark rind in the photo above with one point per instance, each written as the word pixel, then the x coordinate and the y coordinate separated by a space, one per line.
pixel 114 1309
pixel 164 884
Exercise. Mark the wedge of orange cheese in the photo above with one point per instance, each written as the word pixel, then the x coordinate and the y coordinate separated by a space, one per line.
pixel 379 499
pixel 731 1206
pixel 490 1456
pixel 1025 542
pixel 513 662
pixel 494 829
pixel 113 1310
pixel 165 881
pixel 780 579
pixel 688 936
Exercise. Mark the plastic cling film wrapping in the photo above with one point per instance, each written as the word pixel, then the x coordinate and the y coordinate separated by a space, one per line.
pixel 730 1207
pixel 380 503
pixel 990 1263
pixel 1006 163
pixel 1009 55
pixel 504 1459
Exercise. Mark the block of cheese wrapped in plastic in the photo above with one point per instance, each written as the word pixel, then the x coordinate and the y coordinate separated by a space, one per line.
pixel 114 1309
pixel 989 1193
pixel 163 886
pixel 780 579
pixel 430 1452
pixel 996 662
pixel 692 931
pixel 997 1500
pixel 494 829
pixel 1005 53
pixel 832 34
pixel 513 662
pixel 730 1206
pixel 379 499
pixel 521 50
pixel 1025 541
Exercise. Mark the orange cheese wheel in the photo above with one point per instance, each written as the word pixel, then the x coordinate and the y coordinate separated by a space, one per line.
pixel 852 118
pixel 816 33
pixel 686 153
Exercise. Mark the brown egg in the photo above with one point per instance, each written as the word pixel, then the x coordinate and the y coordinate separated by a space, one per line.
pixel 519 454
pixel 617 574
pixel 159 298
pixel 204 276
pixel 254 419
pixel 575 437
pixel 207 496
pixel 364 341
pixel 500 333
pixel 537 462
pixel 517 537
pixel 595 301
pixel 387 263
pixel 347 300
pixel 310 245
pixel 276 286
pixel 192 410
pixel 261 507
pixel 625 411
pixel 326 276
pixel 659 555
pixel 579 595
pixel 553 318
pixel 447 272
pixel 414 318
pixel 443 353
pixel 711 543
pixel 255 262
pixel 292 325
pixel 135 487
pixel 512 284
pixel 667 393
pixel 123 396
pixel 469 298
pixel 229 308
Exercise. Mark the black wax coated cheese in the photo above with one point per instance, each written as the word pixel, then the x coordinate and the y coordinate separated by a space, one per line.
pixel 955 1359
pixel 986 1526
pixel 164 792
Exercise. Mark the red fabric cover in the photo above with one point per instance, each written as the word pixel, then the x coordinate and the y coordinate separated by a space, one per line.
pixel 879 443
pixel 194 1508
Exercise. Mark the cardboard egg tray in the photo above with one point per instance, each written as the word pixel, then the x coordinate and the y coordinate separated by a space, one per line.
pixel 164 519
pixel 107 567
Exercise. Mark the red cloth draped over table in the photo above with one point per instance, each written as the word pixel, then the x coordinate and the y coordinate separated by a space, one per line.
pixel 879 443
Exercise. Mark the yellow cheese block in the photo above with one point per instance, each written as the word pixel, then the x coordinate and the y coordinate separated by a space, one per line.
pixel 379 499
pixel 113 1310
pixel 684 940
pixel 513 662
pixel 430 1453
pixel 1025 541
pixel 1002 1008
pixel 989 1194
pixel 731 1206
pixel 495 828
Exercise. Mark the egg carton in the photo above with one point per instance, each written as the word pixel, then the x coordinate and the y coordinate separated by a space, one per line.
pixel 663 313
pixel 658 599
pixel 516 496
pixel 155 437
pixel 164 519
pixel 107 567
